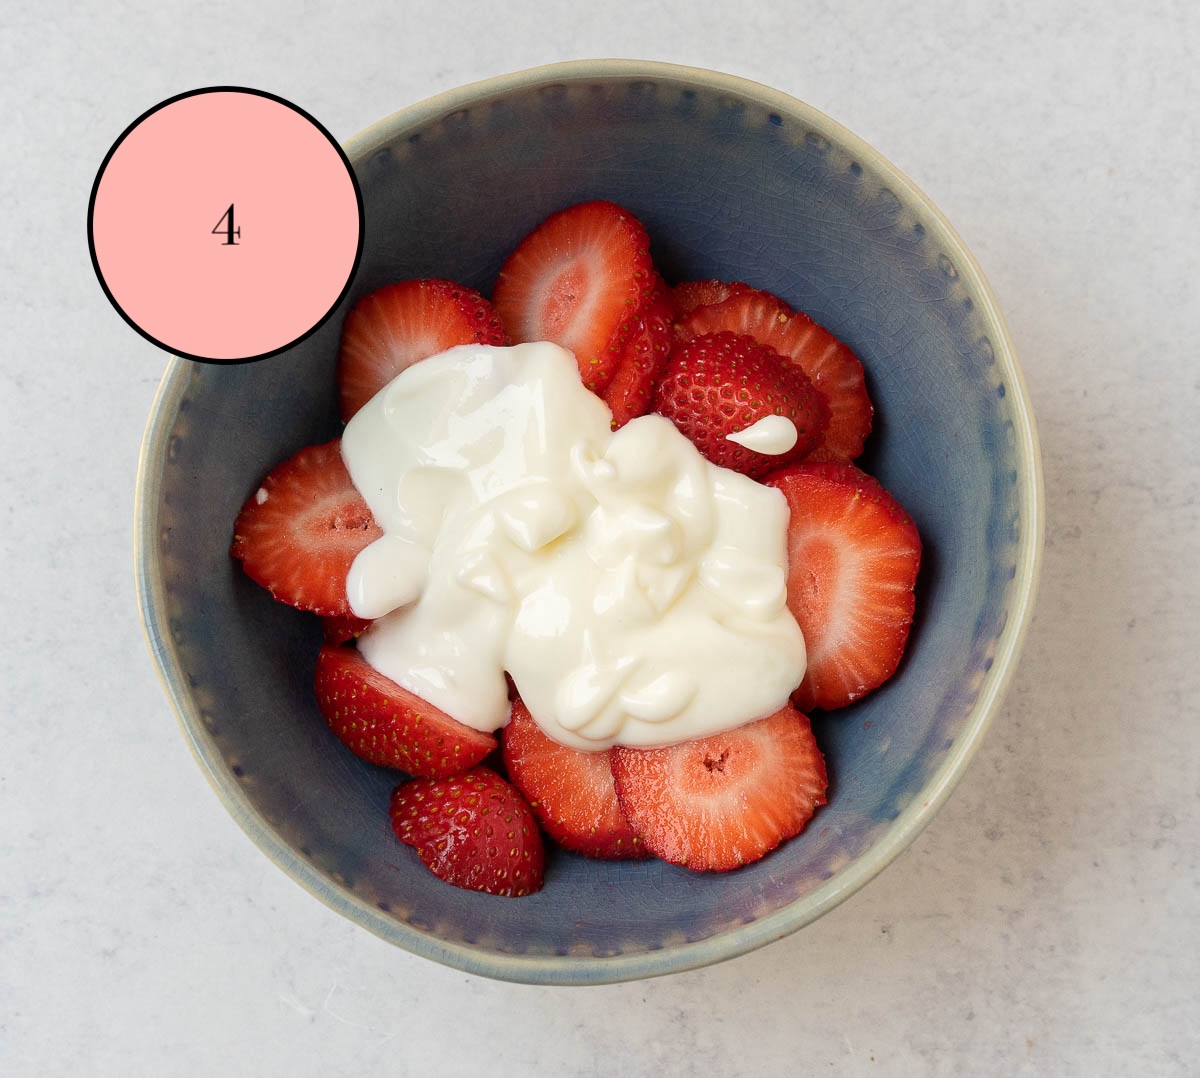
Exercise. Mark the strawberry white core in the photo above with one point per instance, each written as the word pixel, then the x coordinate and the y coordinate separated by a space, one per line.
pixel 635 593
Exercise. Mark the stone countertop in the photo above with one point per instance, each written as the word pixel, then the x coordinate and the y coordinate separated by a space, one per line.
pixel 1044 923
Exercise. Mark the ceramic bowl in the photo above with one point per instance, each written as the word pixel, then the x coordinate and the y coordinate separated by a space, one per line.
pixel 733 180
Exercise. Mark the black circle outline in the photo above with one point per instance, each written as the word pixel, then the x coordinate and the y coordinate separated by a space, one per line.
pixel 349 171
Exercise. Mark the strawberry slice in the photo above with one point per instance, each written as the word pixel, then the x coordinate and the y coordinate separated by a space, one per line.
pixel 723 801
pixel 385 724
pixel 343 628
pixel 298 534
pixel 719 384
pixel 631 391
pixel 472 830
pixel 689 295
pixel 834 369
pixel 571 792
pixel 389 330
pixel 579 279
pixel 853 558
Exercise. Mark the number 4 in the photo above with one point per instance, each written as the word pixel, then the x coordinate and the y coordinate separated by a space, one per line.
pixel 225 225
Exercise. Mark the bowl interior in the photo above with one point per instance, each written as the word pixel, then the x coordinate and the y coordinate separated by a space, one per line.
pixel 732 181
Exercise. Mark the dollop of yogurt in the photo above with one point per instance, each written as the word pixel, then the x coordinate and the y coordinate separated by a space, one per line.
pixel 635 593
pixel 772 435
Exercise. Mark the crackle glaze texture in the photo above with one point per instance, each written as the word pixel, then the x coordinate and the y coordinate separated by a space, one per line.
pixel 732 181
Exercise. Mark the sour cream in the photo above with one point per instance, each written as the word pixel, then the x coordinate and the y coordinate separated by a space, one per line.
pixel 634 592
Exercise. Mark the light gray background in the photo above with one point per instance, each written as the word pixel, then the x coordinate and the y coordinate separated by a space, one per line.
pixel 1045 923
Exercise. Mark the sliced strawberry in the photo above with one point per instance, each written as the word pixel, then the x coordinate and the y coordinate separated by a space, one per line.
pixel 298 534
pixel 343 628
pixel 631 391
pixel 722 383
pixel 389 330
pixel 385 724
pixel 723 801
pixel 571 792
pixel 473 830
pixel 853 557
pixel 692 294
pixel 579 279
pixel 834 369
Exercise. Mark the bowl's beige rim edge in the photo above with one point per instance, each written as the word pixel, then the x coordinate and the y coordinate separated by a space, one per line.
pixel 902 831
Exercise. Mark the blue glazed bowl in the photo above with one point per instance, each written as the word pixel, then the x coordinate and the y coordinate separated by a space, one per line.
pixel 733 180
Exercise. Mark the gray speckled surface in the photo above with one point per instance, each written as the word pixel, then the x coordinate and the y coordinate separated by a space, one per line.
pixel 1045 922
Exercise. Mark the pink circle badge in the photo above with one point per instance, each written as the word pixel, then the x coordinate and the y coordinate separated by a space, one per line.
pixel 225 224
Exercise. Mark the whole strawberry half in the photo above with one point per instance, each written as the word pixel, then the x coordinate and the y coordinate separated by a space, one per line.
pixel 385 724
pixel 473 830
pixel 718 384
pixel 579 279
pixel 723 801
pixel 853 558
pixel 299 532
pixel 829 363
pixel 389 330
pixel 570 791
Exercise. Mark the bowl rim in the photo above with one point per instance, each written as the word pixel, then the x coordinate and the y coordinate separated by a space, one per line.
pixel 574 969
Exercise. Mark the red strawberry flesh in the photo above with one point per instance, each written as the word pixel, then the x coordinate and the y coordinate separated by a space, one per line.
pixel 570 791
pixel 579 279
pixel 723 801
pixel 343 628
pixel 631 391
pixel 853 558
pixel 389 330
pixel 299 532
pixel 692 294
pixel 385 724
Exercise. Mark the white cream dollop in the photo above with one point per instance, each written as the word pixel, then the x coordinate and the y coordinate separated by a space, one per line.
pixel 635 593
pixel 772 435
